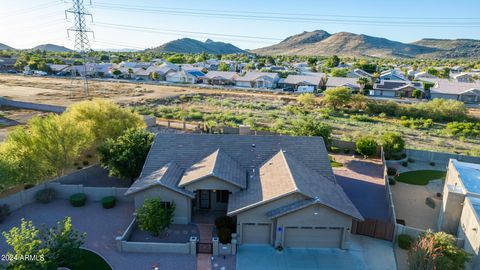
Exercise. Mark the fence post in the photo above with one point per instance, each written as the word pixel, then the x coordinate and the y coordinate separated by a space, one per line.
pixel 193 245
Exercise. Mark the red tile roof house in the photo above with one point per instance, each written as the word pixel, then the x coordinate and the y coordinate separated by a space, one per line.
pixel 281 190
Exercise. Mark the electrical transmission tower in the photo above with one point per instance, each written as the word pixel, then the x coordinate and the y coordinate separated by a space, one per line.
pixel 82 44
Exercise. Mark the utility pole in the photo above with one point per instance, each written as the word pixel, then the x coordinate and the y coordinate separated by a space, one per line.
pixel 82 44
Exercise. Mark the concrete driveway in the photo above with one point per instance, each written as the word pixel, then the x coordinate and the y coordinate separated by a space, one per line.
pixel 364 253
pixel 101 226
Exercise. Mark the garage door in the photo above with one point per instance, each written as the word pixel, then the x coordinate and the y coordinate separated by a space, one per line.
pixel 256 233
pixel 313 237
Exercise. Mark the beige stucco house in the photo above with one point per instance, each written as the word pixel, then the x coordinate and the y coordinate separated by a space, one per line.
pixel 281 190
pixel 460 212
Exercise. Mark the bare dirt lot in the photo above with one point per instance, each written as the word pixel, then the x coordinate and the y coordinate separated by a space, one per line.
pixel 61 91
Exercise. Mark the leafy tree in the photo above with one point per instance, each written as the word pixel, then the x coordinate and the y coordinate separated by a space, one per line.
pixel 359 102
pixel 155 216
pixel 223 67
pixel 416 93
pixel 444 73
pixel 339 72
pixel 177 59
pixel 392 143
pixel 117 72
pixel 54 247
pixel 366 146
pixel 433 71
pixel 309 126
pixel 363 82
pixel 375 77
pixel 154 76
pixel 124 157
pixel 104 119
pixel 337 97
pixel 332 61
pixel 59 140
pixel 307 99
pixel 436 251
pixel 26 240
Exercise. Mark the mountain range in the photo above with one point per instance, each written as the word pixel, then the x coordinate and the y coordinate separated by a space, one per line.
pixel 51 48
pixel 322 43
pixel 5 47
pixel 188 45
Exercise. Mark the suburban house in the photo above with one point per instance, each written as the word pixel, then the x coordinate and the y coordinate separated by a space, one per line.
pixel 221 77
pixel 392 75
pixel 391 88
pixel 258 80
pixel 463 77
pixel 185 76
pixel 312 80
pixel 421 76
pixel 350 83
pixel 463 91
pixel 281 190
pixel 7 63
pixel 59 68
pixel 460 212
pixel 358 73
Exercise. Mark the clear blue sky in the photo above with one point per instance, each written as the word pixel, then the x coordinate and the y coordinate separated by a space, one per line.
pixel 26 23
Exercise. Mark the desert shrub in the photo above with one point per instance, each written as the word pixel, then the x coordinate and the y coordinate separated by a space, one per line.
pixel 405 241
pixel 467 129
pixel 391 171
pixel 430 202
pixel 392 143
pixel 225 226
pixel 392 181
pixel 361 118
pixel 366 146
pixel 382 115
pixel 432 163
pixel 85 163
pixel 437 251
pixel 78 199
pixel 45 195
pixel 405 163
pixel 108 202
pixel 419 123
pixel 4 212
pixel 403 155
pixel 155 216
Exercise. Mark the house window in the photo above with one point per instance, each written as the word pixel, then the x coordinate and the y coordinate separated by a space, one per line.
pixel 222 196
pixel 166 205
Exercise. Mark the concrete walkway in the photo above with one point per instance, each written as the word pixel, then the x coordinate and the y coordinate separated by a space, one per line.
pixel 101 226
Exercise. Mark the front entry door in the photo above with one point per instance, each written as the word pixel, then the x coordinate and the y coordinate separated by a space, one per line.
pixel 204 199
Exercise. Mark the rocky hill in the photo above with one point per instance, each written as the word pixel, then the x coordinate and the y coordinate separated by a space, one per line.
pixel 188 45
pixel 5 47
pixel 51 48
pixel 348 44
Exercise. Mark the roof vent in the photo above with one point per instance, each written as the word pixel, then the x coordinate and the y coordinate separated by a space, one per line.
pixel 253 145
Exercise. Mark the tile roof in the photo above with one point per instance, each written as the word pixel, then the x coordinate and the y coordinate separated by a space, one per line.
pixel 219 165
pixel 252 76
pixel 167 176
pixel 226 75
pixel 341 81
pixel 304 79
pixel 273 166
pixel 444 86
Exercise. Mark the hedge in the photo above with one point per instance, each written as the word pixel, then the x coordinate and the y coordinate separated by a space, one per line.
pixel 78 199
pixel 45 195
pixel 108 202
pixel 405 241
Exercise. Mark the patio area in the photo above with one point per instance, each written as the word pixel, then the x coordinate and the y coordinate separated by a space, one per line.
pixel 102 226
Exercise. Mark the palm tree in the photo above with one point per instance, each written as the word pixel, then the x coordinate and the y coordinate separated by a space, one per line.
pixel 362 81
pixel 375 77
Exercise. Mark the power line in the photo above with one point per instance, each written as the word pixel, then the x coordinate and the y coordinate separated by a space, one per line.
pixel 82 44
pixel 240 16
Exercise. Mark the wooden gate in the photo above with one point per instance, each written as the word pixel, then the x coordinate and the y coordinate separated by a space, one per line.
pixel 374 228
pixel 205 248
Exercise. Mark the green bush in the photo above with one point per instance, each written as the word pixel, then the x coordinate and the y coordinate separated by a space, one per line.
pixel 4 212
pixel 108 202
pixel 467 129
pixel 432 163
pixel 361 118
pixel 224 235
pixel 392 181
pixel 411 160
pixel 346 151
pixel 405 163
pixel 155 216
pixel 78 199
pixel 392 143
pixel 391 171
pixel 405 241
pixel 334 149
pixel 366 146
pixel 45 195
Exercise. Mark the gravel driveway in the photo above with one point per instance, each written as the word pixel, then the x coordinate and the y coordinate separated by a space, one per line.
pixel 101 226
